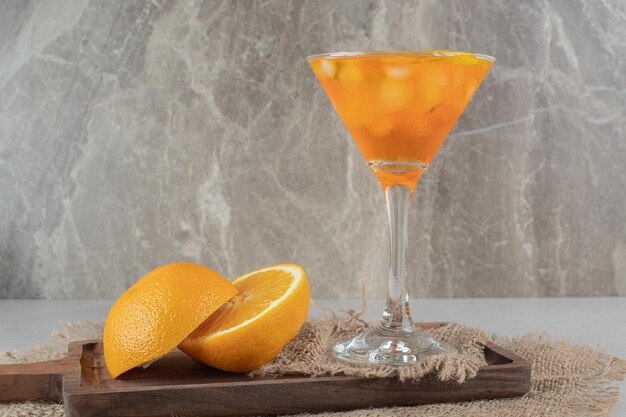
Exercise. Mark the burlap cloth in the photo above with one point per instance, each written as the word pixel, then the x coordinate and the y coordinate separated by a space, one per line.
pixel 567 380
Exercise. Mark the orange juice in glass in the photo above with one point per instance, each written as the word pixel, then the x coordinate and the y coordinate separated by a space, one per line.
pixel 398 106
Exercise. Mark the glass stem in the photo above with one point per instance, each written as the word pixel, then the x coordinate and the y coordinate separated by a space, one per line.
pixel 397 314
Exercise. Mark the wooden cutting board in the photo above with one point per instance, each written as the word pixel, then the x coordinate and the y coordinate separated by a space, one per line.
pixel 177 385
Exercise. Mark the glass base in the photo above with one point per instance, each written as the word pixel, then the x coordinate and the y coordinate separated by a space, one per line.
pixel 389 347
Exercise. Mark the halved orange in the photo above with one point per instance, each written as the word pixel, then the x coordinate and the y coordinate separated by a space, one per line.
pixel 254 326
pixel 159 311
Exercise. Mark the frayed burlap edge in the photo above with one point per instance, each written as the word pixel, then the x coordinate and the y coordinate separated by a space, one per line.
pixel 567 381
pixel 56 346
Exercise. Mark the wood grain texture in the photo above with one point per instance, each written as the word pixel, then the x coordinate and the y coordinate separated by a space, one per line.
pixel 178 385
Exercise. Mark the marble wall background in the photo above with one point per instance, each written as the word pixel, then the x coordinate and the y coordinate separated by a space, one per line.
pixel 135 133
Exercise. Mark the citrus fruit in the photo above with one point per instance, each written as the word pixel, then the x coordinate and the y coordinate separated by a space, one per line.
pixel 255 325
pixel 159 311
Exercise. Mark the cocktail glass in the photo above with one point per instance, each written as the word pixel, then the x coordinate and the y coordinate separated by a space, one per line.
pixel 398 107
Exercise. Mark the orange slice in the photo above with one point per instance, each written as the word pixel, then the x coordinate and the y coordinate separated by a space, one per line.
pixel 253 327
pixel 159 311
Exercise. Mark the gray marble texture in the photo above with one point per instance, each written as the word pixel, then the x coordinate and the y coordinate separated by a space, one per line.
pixel 136 133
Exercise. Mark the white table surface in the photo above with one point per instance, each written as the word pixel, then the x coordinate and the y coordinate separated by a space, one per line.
pixel 598 321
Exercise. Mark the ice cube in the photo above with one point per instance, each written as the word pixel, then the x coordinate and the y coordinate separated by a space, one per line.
pixel 328 68
pixel 397 71
pixel 394 94
pixel 350 73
